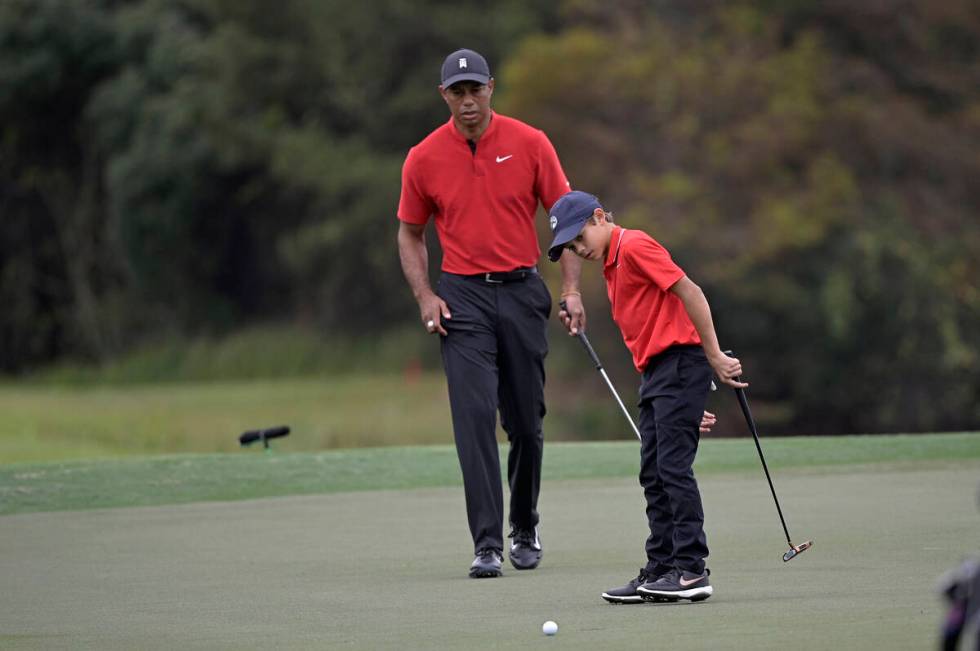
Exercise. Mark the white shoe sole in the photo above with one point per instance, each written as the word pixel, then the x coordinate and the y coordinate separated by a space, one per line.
pixel 613 599
pixel 694 594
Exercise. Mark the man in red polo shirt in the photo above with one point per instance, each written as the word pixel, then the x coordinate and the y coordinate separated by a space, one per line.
pixel 480 177
pixel 666 324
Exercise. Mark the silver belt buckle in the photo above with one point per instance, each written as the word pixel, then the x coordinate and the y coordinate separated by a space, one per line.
pixel 491 280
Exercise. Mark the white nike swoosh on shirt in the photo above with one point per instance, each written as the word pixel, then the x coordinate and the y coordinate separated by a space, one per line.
pixel 501 159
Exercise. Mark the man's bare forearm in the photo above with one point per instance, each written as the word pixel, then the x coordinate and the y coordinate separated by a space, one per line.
pixel 573 311
pixel 571 272
pixel 415 259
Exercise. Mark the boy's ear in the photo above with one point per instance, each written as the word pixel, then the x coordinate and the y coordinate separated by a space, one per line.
pixel 598 216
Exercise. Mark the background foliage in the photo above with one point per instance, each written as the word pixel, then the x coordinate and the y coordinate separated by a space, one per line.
pixel 178 169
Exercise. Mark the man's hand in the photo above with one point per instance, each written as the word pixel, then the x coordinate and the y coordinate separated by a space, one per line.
pixel 727 369
pixel 572 314
pixel 708 421
pixel 433 310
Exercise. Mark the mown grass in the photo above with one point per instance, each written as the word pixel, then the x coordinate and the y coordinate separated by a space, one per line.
pixel 255 474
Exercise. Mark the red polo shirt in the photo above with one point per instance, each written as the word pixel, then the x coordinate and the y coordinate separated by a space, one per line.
pixel 483 203
pixel 639 274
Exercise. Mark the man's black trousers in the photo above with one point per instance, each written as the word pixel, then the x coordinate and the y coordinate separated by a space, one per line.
pixel 672 398
pixel 494 355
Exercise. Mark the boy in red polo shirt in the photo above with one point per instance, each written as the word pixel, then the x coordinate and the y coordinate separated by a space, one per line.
pixel 666 324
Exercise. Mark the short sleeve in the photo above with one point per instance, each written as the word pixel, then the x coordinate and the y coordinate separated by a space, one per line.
pixel 414 205
pixel 647 258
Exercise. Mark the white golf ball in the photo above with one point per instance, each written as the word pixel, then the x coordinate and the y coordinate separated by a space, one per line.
pixel 549 628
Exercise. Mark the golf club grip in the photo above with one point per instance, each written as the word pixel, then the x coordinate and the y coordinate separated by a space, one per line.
pixel 590 350
pixel 743 402
pixel 252 436
pixel 585 341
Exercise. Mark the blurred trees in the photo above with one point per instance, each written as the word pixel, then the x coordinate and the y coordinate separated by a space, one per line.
pixel 190 166
pixel 52 235
pixel 815 167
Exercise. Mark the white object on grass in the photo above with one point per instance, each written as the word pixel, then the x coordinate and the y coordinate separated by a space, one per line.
pixel 549 628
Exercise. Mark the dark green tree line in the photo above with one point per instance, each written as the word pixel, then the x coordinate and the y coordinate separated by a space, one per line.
pixel 189 166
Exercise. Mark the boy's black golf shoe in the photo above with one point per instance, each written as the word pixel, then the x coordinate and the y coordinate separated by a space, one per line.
pixel 627 594
pixel 677 585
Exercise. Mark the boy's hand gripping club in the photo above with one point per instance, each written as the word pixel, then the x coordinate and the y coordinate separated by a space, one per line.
pixel 598 365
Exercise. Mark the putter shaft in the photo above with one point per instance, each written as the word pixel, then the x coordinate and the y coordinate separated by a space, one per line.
pixel 615 395
pixel 605 376
pixel 743 402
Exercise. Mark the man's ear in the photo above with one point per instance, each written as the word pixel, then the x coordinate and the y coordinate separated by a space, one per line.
pixel 598 216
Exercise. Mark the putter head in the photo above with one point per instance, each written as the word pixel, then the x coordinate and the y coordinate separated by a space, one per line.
pixel 795 550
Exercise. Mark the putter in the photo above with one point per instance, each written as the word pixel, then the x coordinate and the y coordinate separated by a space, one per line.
pixel 743 402
pixel 251 436
pixel 598 365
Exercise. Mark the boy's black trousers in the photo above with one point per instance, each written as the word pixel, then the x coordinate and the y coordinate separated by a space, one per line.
pixel 493 356
pixel 673 393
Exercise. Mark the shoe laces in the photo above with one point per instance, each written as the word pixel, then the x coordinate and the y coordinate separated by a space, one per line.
pixel 522 536
pixel 641 578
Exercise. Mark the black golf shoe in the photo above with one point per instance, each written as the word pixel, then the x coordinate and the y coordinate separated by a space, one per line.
pixel 525 548
pixel 677 585
pixel 627 594
pixel 486 564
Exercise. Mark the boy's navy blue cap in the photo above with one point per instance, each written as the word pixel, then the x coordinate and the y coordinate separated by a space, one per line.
pixel 568 216
pixel 464 65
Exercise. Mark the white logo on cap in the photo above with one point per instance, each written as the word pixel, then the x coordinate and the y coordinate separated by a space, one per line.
pixel 462 62
pixel 554 222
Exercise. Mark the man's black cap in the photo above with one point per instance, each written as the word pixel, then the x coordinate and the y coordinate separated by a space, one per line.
pixel 464 65
pixel 568 216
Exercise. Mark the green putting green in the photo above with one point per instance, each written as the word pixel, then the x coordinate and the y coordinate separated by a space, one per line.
pixel 386 569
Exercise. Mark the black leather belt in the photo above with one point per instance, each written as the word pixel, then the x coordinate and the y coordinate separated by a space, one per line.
pixel 498 277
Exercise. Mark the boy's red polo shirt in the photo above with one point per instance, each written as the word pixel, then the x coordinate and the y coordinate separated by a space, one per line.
pixel 484 203
pixel 639 274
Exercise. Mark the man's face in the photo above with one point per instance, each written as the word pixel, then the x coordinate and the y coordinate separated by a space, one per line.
pixel 468 101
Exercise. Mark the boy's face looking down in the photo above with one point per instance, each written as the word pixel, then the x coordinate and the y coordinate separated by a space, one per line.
pixel 592 242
